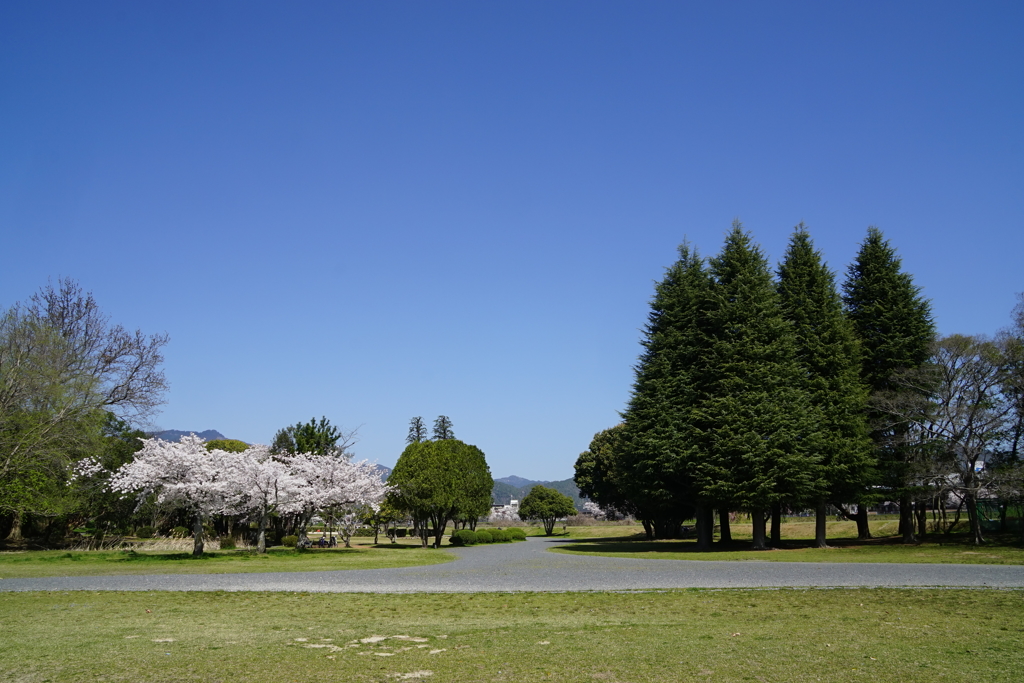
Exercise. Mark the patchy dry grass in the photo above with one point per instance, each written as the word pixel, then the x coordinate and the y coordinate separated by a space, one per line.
pixel 874 635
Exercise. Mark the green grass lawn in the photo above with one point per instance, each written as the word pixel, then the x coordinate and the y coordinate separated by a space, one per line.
pixel 870 635
pixel 40 563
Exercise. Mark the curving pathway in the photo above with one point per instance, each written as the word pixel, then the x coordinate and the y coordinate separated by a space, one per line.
pixel 527 567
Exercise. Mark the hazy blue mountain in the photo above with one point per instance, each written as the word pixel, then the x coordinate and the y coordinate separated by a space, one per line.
pixel 517 482
pixel 503 493
pixel 175 435
pixel 384 470
pixel 505 489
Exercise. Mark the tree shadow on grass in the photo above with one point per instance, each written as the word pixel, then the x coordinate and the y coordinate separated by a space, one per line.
pixel 639 544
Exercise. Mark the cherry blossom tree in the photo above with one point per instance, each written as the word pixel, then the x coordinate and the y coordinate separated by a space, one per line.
pixel 339 488
pixel 182 473
pixel 255 481
pixel 260 482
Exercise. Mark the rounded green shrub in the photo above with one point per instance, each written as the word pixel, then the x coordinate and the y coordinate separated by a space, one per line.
pixel 401 532
pixel 503 536
pixel 145 532
pixel 463 537
pixel 484 536
pixel 289 541
pixel 517 534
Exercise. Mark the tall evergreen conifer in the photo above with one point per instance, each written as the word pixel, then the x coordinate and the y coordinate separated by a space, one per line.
pixel 754 420
pixel 656 445
pixel 894 325
pixel 828 353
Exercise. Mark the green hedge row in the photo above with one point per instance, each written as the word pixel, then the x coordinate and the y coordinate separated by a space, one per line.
pixel 467 537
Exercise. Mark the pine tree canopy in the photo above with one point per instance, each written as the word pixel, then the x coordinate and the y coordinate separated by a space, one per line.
pixel 657 448
pixel 892 320
pixel 756 421
pixel 829 356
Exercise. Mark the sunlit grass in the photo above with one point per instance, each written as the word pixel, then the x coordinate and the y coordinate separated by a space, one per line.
pixel 43 563
pixel 841 635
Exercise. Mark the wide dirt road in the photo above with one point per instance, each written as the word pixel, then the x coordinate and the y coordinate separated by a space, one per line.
pixel 528 567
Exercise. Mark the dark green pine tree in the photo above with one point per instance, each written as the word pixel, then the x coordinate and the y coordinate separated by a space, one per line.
pixel 656 444
pixel 894 325
pixel 755 420
pixel 827 351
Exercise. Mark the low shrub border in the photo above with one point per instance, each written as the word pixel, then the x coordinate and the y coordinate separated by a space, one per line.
pixel 464 537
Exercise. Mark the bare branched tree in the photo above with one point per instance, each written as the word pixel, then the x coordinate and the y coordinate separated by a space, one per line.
pixel 62 366
pixel 960 417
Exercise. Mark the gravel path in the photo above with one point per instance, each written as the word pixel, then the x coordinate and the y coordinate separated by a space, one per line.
pixel 528 567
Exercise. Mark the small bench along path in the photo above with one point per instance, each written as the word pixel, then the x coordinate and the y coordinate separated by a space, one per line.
pixel 526 566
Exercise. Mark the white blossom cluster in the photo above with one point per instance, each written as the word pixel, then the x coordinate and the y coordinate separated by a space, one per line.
pixel 205 481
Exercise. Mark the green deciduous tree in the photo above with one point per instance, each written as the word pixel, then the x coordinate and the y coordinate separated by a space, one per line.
pixel 438 481
pixel 229 445
pixel 546 505
pixel 63 365
pixel 598 472
pixel 827 351
pixel 893 323
pixel 317 437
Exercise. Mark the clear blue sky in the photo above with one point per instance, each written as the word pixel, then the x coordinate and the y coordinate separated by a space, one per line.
pixel 372 211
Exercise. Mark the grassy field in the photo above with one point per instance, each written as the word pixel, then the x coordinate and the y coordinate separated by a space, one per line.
pixel 695 635
pixel 41 563
pixel 797 537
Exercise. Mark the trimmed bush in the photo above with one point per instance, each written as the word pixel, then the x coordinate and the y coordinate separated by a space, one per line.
pixel 484 536
pixel 363 532
pixel 401 532
pixel 517 533
pixel 289 541
pixel 463 537
pixel 504 536
pixel 227 543
pixel 144 532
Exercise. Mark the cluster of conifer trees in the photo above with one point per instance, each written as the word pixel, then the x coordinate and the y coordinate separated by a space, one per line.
pixel 752 391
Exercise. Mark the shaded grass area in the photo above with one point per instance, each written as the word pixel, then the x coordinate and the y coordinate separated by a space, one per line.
pixel 797 546
pixel 695 635
pixel 43 563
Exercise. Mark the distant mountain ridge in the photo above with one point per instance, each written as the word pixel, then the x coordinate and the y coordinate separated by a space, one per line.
pixel 507 488
pixel 175 435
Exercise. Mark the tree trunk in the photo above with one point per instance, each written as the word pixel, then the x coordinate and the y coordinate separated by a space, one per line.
pixel 648 529
pixel 757 518
pixel 777 525
pixel 439 527
pixel 820 539
pixel 703 534
pixel 863 529
pixel 197 535
pixel 725 536
pixel 956 518
pixel 15 533
pixel 261 539
pixel 922 518
pixel 906 519
pixel 974 518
